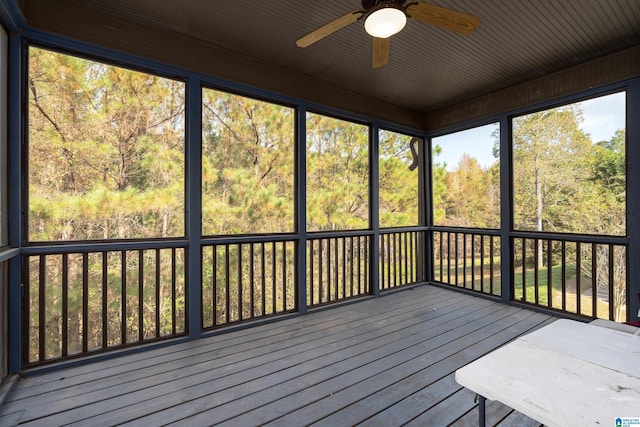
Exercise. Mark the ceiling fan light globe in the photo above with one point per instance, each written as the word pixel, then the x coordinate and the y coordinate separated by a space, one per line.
pixel 385 22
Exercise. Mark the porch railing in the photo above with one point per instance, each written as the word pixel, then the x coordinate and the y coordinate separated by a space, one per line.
pixel 338 268
pixel 402 258
pixel 247 280
pixel 468 259
pixel 85 301
pixel 582 275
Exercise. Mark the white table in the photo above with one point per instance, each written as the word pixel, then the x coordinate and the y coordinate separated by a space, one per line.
pixel 567 373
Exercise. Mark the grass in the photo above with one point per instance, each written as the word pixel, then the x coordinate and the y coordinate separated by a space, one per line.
pixel 571 297
pixel 569 303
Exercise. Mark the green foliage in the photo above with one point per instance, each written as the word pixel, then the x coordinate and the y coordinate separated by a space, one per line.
pixel 399 186
pixel 337 174
pixel 439 187
pixel 561 179
pixel 247 166
pixel 472 198
pixel 106 151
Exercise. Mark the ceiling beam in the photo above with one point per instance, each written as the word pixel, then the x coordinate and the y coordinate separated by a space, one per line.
pixel 609 69
pixel 75 21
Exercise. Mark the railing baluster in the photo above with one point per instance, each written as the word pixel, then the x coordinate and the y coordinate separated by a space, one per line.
pixel 405 262
pixel 578 281
pixel 564 277
pixel 85 302
pixel 413 274
pixel 252 311
pixel 367 284
pixel 173 291
pixel 594 279
pixel 611 283
pixel 336 269
pixel 344 267
pixel 214 284
pixel 473 261
pixel 284 276
pixel 157 294
pixel 239 284
pixel 491 266
pixel 383 255
pixel 524 270
pixel 549 274
pixel 536 284
pixel 65 305
pixel 359 267
pixel 456 259
pixel 42 307
pixel 320 278
pixel 263 266
pixel 389 261
pixel 123 297
pixel 329 272
pixel 141 295
pixel 441 253
pixel 464 265
pixel 351 281
pixel 105 284
pixel 311 263
pixel 227 284
pixel 482 263
pixel 398 259
pixel 274 291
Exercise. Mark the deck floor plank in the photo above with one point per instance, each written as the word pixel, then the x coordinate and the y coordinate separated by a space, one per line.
pixel 328 359
pixel 381 361
pixel 326 380
pixel 242 368
pixel 191 353
pixel 404 378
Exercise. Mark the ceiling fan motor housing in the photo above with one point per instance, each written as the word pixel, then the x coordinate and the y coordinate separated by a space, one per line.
pixel 375 4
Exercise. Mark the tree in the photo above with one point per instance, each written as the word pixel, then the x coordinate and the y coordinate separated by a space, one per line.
pixel 549 152
pixel 472 198
pixel 438 187
pixel 337 174
pixel 398 185
pixel 106 151
pixel 247 165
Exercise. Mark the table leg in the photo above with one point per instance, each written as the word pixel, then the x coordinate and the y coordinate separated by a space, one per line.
pixel 481 410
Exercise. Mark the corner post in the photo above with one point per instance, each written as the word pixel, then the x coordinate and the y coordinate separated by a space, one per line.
pixel 374 207
pixel 506 216
pixel 194 205
pixel 301 206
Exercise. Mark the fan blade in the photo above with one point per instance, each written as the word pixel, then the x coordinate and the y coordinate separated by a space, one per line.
pixel 444 18
pixel 329 28
pixel 380 56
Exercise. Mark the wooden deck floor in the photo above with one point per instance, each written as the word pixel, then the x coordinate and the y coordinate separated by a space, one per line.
pixel 387 361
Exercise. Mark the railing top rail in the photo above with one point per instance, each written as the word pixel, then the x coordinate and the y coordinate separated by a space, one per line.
pixel 8 253
pixel 485 231
pixel 331 234
pixel 230 240
pixel 102 247
pixel 407 229
pixel 568 237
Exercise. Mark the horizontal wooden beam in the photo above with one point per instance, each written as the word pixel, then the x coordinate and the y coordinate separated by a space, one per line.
pixel 78 22
pixel 609 69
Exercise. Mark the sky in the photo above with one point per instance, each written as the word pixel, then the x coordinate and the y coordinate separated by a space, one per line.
pixel 602 117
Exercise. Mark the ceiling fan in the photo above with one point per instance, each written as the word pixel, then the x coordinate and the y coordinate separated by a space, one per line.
pixel 385 18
